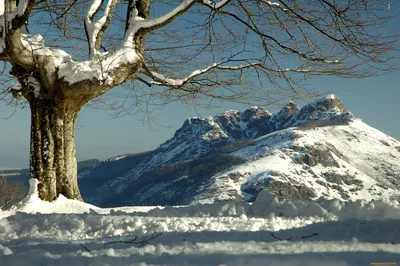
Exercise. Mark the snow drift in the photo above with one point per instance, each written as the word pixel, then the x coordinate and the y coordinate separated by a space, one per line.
pixel 282 232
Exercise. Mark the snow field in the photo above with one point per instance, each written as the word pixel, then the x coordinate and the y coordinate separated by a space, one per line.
pixel 326 232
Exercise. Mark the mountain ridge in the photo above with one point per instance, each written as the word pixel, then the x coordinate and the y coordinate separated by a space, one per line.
pixel 202 137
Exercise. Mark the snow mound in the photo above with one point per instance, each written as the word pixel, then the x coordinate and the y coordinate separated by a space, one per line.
pixel 32 204
pixel 265 206
pixel 268 206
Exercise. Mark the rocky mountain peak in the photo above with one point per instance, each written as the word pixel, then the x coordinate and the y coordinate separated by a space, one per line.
pixel 330 102
pixel 257 121
pixel 289 110
pixel 326 108
pixel 254 113
pixel 201 136
pixel 281 118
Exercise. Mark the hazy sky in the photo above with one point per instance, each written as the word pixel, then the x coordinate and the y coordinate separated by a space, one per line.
pixel 98 135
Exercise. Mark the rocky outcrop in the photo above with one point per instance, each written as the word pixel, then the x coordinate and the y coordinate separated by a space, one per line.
pixel 329 108
pixel 287 190
pixel 325 155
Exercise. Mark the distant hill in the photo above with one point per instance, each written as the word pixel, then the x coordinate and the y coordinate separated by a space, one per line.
pixel 22 175
pixel 87 163
pixel 318 150
pixel 101 173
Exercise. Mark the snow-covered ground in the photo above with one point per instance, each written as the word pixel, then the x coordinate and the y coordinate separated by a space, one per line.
pixel 267 232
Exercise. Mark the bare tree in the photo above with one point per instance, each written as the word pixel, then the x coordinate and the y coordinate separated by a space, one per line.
pixel 10 192
pixel 181 50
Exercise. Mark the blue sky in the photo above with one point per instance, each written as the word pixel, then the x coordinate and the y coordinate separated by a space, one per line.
pixel 98 135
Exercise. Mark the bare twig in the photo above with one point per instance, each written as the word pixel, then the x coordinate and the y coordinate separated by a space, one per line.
pixel 135 241
pixel 291 238
pixel 88 250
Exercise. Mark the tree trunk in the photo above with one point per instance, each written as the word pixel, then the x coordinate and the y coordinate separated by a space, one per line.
pixel 52 151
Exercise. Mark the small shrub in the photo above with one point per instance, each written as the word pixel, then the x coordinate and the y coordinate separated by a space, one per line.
pixel 10 192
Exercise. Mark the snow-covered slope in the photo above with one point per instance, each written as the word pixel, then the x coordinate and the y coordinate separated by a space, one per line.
pixel 318 150
pixel 200 136
pixel 349 162
pixel 197 137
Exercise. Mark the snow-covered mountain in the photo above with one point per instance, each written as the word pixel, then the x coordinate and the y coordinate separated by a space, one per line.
pixel 349 162
pixel 318 150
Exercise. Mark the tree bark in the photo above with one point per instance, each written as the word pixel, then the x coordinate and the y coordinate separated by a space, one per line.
pixel 52 151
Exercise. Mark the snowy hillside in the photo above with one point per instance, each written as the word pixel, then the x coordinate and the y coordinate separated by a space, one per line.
pixel 318 150
pixel 348 162
pixel 326 232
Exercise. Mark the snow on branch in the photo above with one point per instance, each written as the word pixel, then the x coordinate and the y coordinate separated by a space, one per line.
pixel 215 5
pixel 95 29
pixel 136 22
pixel 273 4
pixel 8 16
pixel 161 80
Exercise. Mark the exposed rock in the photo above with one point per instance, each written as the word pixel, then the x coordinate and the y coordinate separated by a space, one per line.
pixel 322 183
pixel 339 179
pixel 309 160
pixel 290 191
pixel 331 102
pixel 235 176
pixel 345 195
pixel 384 142
pixel 253 188
pixel 394 180
pixel 289 110
pixel 324 156
pixel 234 195
pixel 275 173
pixel 285 114
pixel 314 155
pixel 328 108
pixel 390 174
pixel 334 178
pixel 382 186
pixel 254 113
pixel 352 180
pixel 336 187
pixel 357 188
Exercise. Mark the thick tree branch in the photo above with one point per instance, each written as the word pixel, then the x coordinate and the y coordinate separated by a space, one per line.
pixel 161 80
pixel 11 22
pixel 95 29
pixel 137 23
